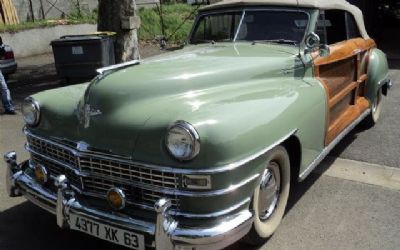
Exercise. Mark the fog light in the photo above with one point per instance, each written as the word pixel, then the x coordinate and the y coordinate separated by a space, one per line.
pixel 41 174
pixel 197 181
pixel 116 198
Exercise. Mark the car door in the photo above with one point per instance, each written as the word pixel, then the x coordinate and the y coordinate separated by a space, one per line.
pixel 343 72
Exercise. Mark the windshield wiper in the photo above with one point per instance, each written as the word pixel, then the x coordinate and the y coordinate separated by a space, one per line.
pixel 279 41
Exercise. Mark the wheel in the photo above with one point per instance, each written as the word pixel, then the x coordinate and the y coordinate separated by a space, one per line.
pixel 376 110
pixel 270 196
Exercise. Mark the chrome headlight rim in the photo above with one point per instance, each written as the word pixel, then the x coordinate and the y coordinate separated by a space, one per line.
pixel 36 107
pixel 194 136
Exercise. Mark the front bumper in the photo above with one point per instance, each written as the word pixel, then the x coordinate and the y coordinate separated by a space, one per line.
pixel 167 232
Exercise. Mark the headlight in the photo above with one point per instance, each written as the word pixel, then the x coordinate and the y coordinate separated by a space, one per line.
pixel 183 141
pixel 31 111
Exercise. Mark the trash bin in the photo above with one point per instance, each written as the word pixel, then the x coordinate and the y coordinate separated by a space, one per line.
pixel 79 56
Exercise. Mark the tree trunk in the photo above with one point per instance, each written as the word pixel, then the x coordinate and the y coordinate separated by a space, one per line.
pixel 120 16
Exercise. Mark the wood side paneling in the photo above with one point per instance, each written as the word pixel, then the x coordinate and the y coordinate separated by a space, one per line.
pixel 338 74
pixel 343 74
pixel 346 118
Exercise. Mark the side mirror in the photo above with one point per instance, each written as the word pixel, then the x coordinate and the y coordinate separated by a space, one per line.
pixel 313 43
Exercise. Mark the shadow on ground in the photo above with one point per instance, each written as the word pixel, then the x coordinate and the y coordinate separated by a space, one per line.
pixel 26 226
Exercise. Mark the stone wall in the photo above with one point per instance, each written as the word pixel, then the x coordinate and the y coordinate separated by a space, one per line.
pixel 29 10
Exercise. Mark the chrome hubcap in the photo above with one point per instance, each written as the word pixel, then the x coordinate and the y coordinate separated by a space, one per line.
pixel 269 191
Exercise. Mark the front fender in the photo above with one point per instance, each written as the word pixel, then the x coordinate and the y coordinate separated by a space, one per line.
pixel 377 73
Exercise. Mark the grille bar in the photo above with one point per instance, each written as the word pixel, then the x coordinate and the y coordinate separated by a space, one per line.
pixel 104 174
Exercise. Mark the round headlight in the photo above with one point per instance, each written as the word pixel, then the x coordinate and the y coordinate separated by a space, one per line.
pixel 183 141
pixel 31 111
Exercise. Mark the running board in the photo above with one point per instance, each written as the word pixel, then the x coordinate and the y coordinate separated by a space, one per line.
pixel 328 148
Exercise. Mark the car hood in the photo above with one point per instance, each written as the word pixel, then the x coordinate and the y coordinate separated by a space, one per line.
pixel 115 109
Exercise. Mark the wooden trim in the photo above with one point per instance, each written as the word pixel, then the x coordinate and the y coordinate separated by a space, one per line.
pixel 344 115
pixel 334 100
pixel 344 50
pixel 346 119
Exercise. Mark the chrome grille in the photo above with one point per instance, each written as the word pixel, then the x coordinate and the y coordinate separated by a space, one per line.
pixel 141 185
pixel 56 170
pixel 134 195
pixel 128 172
pixel 52 151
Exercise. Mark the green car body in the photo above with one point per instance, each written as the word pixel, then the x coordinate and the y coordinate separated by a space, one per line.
pixel 210 87
pixel 242 98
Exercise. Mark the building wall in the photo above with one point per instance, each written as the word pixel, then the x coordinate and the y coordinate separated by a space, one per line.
pixel 37 41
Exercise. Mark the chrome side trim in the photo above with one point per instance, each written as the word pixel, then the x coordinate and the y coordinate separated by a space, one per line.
pixel 230 189
pixel 224 168
pixel 215 214
pixel 250 158
pixel 112 68
pixel 328 148
pixel 175 212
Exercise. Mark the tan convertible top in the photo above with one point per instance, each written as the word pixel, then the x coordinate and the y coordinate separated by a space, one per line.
pixel 319 4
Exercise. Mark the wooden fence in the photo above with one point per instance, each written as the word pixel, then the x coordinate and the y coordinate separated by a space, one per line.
pixel 8 14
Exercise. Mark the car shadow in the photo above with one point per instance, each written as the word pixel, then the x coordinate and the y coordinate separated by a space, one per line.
pixel 27 227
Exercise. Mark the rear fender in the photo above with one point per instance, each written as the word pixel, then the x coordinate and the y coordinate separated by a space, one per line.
pixel 378 77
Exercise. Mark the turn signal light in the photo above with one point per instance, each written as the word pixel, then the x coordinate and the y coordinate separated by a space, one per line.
pixel 41 174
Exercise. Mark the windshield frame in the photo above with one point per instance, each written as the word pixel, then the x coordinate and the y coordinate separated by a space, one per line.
pixel 243 11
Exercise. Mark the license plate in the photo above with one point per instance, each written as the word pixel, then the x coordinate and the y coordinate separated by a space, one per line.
pixel 77 50
pixel 106 232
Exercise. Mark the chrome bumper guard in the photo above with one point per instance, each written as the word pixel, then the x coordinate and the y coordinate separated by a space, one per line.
pixel 390 84
pixel 168 234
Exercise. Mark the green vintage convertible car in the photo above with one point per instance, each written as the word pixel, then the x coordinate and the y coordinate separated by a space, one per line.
pixel 197 148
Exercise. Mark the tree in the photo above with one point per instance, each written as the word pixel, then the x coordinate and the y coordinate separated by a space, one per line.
pixel 120 16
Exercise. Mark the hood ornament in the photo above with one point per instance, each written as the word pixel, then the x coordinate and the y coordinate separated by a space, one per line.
pixel 85 114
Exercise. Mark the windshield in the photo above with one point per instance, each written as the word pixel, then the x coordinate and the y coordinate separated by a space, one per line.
pixel 251 25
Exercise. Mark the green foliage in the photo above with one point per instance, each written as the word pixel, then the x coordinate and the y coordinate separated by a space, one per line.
pixel 173 15
pixel 83 18
pixel 80 16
